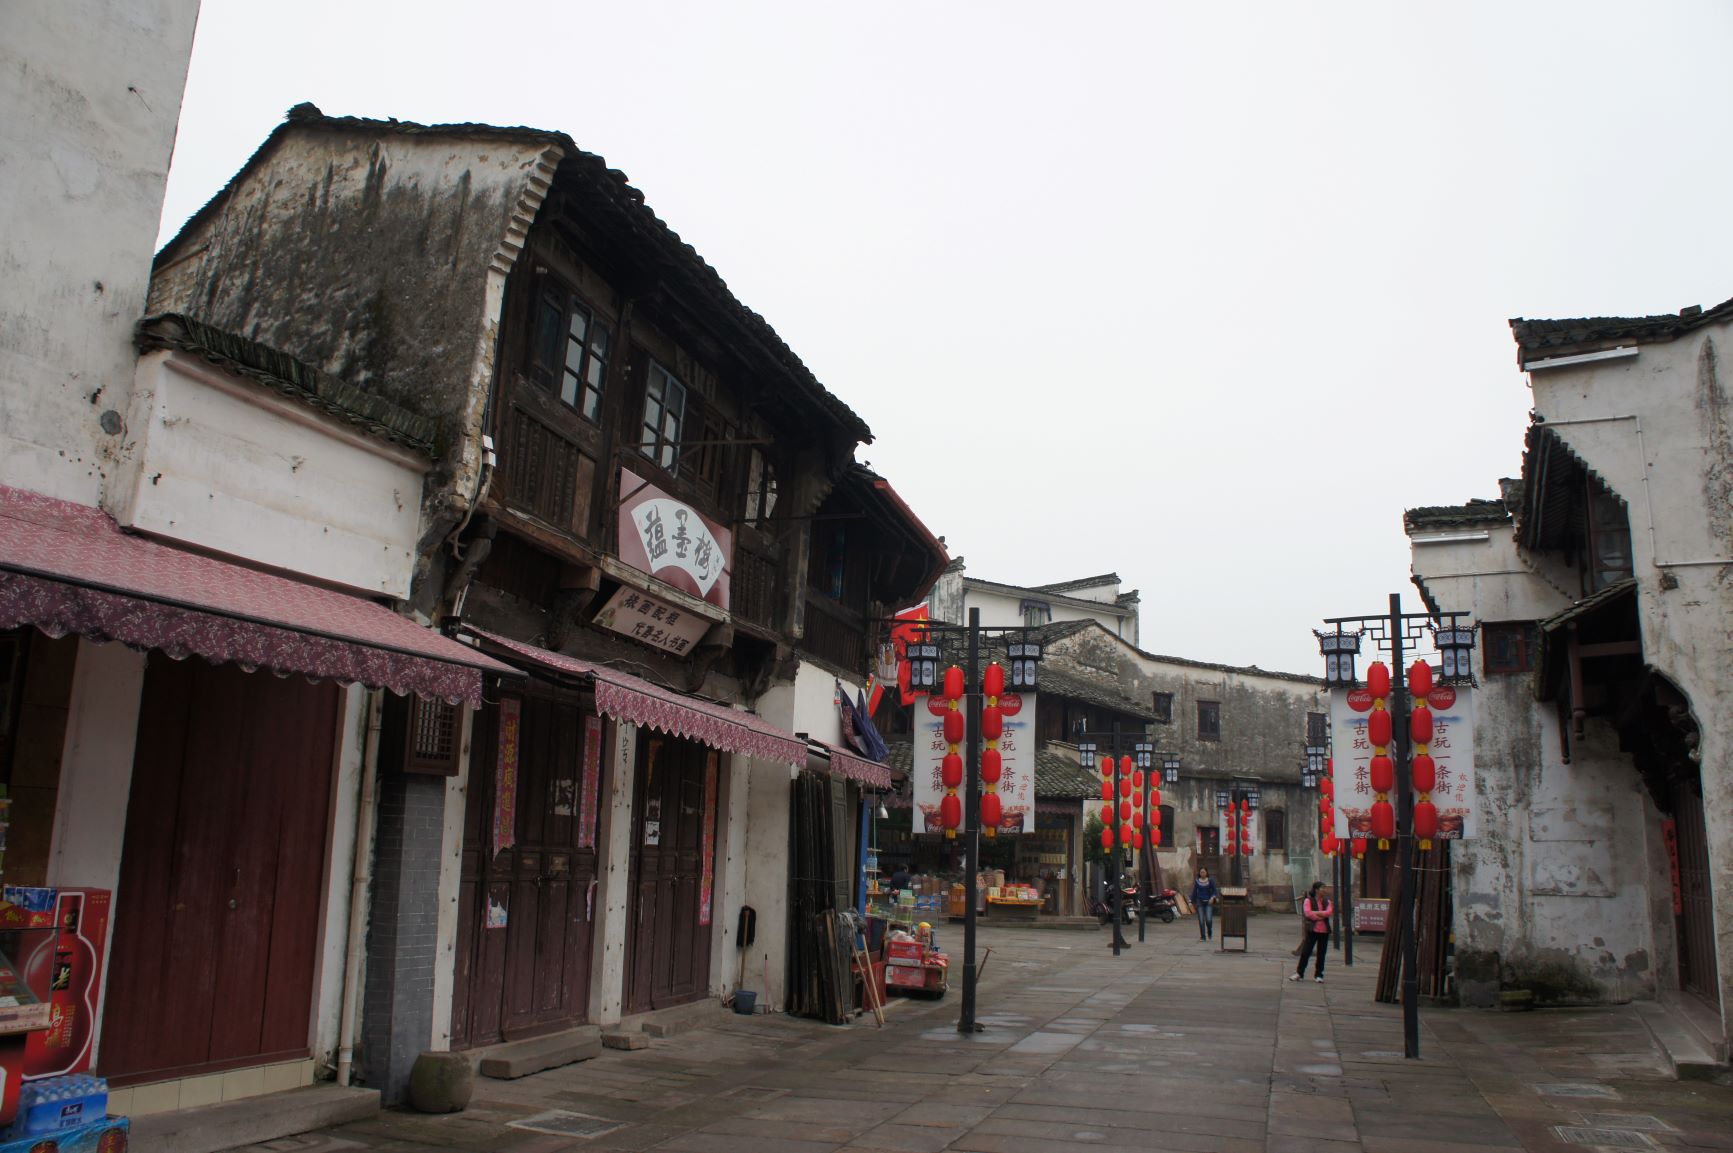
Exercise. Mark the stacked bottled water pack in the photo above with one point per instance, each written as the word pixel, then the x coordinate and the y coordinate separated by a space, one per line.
pixel 57 1103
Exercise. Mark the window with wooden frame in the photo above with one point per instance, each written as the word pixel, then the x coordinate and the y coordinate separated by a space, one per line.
pixel 1209 720
pixel 760 488
pixel 1275 831
pixel 664 418
pixel 1506 648
pixel 569 353
pixel 1162 703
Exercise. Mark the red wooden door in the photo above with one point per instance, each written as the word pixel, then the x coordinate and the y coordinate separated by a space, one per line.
pixel 526 912
pixel 217 914
pixel 668 947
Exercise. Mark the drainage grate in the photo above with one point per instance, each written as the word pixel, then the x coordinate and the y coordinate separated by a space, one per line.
pixel 563 1123
pixel 1576 1091
pixel 755 1092
pixel 1605 1138
pixel 1645 1121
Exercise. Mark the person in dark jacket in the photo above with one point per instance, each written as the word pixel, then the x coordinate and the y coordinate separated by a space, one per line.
pixel 1204 895
pixel 1317 911
pixel 899 881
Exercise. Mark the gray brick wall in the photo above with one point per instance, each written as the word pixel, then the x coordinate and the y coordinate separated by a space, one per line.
pixel 402 931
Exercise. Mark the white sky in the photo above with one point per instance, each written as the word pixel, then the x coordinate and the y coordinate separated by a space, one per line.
pixel 1202 294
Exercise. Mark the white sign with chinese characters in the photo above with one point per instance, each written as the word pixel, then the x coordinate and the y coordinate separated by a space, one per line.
pixel 1016 759
pixel 1452 751
pixel 657 623
pixel 674 536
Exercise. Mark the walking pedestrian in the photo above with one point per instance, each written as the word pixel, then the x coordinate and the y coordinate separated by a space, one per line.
pixel 1316 910
pixel 1204 896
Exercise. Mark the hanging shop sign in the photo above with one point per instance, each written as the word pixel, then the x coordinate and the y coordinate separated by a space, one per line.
pixel 657 623
pixel 1016 748
pixel 673 542
pixel 1451 748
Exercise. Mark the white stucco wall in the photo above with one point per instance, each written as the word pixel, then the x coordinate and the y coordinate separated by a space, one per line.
pixel 221 462
pixel 92 93
pixel 1658 429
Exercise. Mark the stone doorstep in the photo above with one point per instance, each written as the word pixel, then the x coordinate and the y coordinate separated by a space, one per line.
pixel 676 1019
pixel 209 1128
pixel 513 1059
pixel 1688 1052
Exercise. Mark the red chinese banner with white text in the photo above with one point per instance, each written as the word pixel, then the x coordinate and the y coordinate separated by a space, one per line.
pixel 505 777
pixel 591 783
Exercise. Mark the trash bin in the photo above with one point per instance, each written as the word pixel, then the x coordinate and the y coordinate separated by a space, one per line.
pixel 1232 917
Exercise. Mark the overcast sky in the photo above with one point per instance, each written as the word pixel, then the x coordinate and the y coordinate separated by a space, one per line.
pixel 1202 294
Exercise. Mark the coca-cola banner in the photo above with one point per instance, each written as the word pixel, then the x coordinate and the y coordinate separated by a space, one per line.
pixel 1017 761
pixel 673 542
pixel 1452 750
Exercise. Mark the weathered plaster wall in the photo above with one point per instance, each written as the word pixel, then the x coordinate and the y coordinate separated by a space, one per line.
pixel 92 92
pixel 219 462
pixel 379 257
pixel 1658 429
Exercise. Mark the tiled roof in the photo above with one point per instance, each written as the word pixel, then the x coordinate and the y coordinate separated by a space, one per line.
pixel 1590 603
pixel 1435 517
pixel 1062 629
pixel 1111 578
pixel 293 378
pixel 578 169
pixel 1538 339
pixel 1090 690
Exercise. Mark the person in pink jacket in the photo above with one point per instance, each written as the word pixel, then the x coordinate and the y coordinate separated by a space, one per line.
pixel 1317 911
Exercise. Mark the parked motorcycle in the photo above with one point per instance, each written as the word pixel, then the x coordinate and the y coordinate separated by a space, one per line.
pixel 1102 908
pixel 1164 905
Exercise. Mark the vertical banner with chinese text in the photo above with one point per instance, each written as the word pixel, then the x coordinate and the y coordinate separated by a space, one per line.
pixel 591 784
pixel 505 777
pixel 1452 750
pixel 1017 758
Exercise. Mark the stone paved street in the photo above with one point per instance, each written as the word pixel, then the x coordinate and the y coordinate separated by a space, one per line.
pixel 1173 1046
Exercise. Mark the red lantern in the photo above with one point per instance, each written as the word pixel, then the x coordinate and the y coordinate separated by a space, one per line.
pixel 1383 823
pixel 1137 779
pixel 951 811
pixel 992 724
pixel 1359 844
pixel 951 770
pixel 1382 772
pixel 993 680
pixel 1136 819
pixel 1107 769
pixel 1425 773
pixel 1246 848
pixel 953 683
pixel 992 810
pixel 1331 846
pixel 1378 679
pixel 1324 806
pixel 992 766
pixel 1420 725
pixel 1125 810
pixel 1425 823
pixel 1124 787
pixel 954 727
pixel 1127 765
pixel 1154 797
pixel 1107 839
pixel 1107 791
pixel 1420 679
pixel 1125 831
pixel 1378 727
pixel 1107 814
pixel 1327 786
pixel 1154 835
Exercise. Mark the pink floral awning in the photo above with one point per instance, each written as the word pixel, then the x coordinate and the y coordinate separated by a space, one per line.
pixel 639 702
pixel 858 768
pixel 67 568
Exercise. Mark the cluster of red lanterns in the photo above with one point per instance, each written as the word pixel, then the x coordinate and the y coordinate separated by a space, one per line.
pixel 1382 770
pixel 1123 810
pixel 951 768
pixel 1238 821
pixel 1425 771
pixel 992 767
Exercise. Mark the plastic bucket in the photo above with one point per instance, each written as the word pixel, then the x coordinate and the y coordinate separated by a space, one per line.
pixel 745 1001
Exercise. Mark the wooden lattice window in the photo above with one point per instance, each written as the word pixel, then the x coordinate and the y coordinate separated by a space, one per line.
pixel 434 737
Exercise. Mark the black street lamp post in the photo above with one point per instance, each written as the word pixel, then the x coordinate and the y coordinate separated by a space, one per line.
pixel 1397 633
